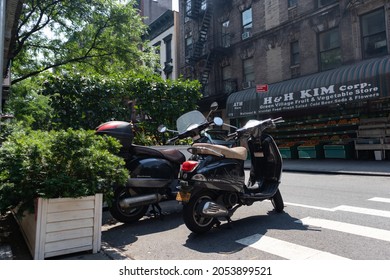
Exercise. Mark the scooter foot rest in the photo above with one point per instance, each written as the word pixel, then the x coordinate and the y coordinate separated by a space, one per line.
pixel 267 190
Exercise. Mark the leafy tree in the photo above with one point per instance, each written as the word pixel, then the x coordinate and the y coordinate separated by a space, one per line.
pixel 101 36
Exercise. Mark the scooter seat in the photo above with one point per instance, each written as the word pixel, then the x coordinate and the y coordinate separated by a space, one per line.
pixel 211 149
pixel 168 154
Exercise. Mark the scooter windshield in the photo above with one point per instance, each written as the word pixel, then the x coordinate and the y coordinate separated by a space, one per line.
pixel 188 120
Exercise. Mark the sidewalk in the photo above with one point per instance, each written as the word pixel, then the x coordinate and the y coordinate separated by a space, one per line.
pixel 329 166
pixel 338 166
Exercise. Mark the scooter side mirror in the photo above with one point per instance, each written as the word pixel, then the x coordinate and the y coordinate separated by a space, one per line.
pixel 162 128
pixel 214 106
pixel 218 121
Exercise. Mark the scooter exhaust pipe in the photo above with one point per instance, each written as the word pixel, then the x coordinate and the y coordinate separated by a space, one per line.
pixel 142 200
pixel 214 210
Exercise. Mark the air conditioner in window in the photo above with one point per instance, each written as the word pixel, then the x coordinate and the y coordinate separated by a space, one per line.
pixel 246 85
pixel 245 35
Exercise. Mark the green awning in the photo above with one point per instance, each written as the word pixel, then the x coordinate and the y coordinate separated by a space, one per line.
pixel 368 79
pixel 240 103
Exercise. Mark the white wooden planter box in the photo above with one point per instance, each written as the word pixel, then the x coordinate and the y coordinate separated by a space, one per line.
pixel 62 226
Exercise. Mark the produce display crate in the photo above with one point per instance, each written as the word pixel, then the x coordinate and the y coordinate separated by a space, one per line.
pixel 315 151
pixel 289 152
pixel 341 151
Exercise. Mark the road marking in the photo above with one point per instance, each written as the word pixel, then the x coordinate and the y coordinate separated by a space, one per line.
pixel 360 210
pixel 285 249
pixel 380 199
pixel 346 208
pixel 309 206
pixel 347 228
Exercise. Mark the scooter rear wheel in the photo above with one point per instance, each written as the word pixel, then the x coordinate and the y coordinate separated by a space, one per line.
pixel 277 202
pixel 126 215
pixel 191 213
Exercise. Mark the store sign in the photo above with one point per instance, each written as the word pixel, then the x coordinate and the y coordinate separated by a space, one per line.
pixel 262 88
pixel 320 96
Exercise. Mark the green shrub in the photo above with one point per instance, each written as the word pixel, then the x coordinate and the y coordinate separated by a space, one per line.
pixel 66 163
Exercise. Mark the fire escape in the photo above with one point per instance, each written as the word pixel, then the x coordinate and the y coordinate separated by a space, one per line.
pixel 205 47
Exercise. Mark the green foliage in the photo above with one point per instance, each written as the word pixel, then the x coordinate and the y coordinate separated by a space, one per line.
pixel 30 107
pixel 163 101
pixel 51 164
pixel 85 102
pixel 80 101
pixel 101 36
pixel 144 139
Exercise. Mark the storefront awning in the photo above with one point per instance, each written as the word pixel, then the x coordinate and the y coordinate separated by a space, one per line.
pixel 368 79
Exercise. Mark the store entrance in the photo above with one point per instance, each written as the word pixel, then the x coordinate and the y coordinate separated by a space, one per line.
pixel 357 131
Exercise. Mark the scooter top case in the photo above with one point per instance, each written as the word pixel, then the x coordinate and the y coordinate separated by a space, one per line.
pixel 123 131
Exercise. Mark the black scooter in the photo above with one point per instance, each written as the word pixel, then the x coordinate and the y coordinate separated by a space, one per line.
pixel 212 183
pixel 153 175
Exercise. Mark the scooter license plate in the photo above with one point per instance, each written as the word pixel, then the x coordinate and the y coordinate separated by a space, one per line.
pixel 183 196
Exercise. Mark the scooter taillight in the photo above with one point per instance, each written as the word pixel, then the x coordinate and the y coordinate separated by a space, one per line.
pixel 189 166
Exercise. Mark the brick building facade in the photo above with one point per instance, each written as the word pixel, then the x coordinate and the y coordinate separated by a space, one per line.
pixel 318 58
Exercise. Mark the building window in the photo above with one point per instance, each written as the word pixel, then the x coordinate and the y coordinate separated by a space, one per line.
pixel 294 50
pixel 168 64
pixel 292 9
pixel 189 46
pixel 322 3
pixel 374 34
pixel 168 47
pixel 225 33
pixel 292 3
pixel 330 52
pixel 247 20
pixel 227 72
pixel 157 47
pixel 249 72
pixel 228 85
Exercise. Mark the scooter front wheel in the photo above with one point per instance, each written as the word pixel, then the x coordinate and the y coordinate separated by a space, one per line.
pixel 277 202
pixel 126 215
pixel 193 218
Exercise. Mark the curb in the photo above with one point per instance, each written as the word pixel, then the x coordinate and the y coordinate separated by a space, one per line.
pixel 113 253
pixel 352 173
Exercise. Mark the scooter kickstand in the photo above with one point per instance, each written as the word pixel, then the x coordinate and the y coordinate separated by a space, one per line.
pixel 230 222
pixel 159 210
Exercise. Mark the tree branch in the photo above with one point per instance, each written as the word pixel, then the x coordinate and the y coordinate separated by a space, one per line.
pixel 39 24
pixel 73 60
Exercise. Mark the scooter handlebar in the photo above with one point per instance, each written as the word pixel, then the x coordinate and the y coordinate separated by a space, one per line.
pixel 264 124
pixel 191 133
pixel 278 120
